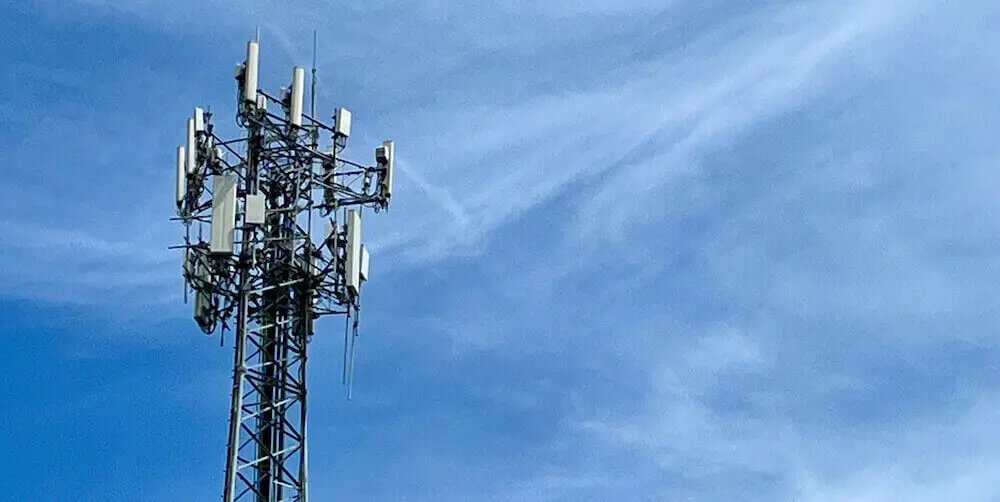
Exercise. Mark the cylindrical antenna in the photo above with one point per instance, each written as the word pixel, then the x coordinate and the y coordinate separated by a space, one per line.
pixel 250 77
pixel 298 84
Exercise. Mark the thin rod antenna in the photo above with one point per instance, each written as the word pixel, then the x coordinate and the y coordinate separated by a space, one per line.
pixel 187 244
pixel 347 341
pixel 313 90
pixel 314 137
pixel 354 338
pixel 256 16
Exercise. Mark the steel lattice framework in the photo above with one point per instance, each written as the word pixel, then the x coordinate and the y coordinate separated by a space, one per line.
pixel 260 274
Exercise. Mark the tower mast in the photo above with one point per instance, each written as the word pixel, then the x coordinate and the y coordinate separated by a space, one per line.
pixel 262 274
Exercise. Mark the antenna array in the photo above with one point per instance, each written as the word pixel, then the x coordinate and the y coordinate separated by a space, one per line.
pixel 252 263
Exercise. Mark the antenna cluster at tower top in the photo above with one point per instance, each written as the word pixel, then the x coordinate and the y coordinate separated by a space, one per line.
pixel 227 188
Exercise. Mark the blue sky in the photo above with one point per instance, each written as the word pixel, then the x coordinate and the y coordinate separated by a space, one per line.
pixel 637 251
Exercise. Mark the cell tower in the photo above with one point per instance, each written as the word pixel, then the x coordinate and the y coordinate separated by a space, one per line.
pixel 253 267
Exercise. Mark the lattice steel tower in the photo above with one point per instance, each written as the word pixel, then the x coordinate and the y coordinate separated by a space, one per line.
pixel 260 274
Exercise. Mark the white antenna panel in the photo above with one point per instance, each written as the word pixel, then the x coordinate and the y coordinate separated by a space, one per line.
pixel 365 258
pixel 255 205
pixel 298 87
pixel 262 102
pixel 342 122
pixel 390 153
pixel 353 265
pixel 223 214
pixel 189 147
pixel 199 120
pixel 181 176
pixel 250 73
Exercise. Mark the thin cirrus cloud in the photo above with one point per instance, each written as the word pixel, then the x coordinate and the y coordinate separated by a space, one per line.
pixel 514 157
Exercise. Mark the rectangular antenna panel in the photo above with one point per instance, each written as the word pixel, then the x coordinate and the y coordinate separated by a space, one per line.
pixel 364 263
pixel 202 303
pixel 203 294
pixel 306 263
pixel 342 122
pixel 262 102
pixel 329 235
pixel 223 214
pixel 181 176
pixel 254 209
pixel 352 268
pixel 390 154
pixel 198 271
pixel 295 108
pixel 189 147
pixel 329 195
pixel 199 120
pixel 250 74
pixel 329 168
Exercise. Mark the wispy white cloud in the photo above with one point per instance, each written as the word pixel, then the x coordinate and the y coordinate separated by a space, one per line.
pixel 506 160
pixel 678 426
pixel 947 460
pixel 438 195
pixel 512 159
pixel 67 265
